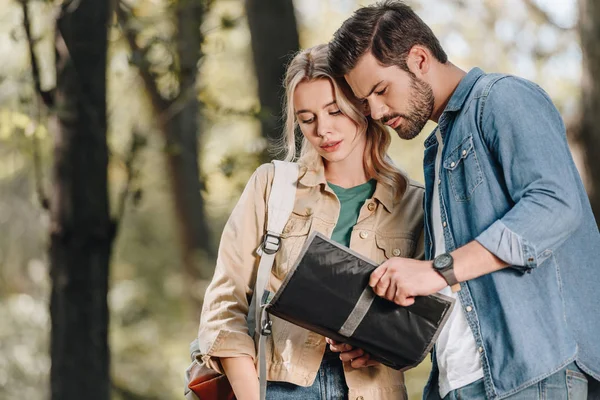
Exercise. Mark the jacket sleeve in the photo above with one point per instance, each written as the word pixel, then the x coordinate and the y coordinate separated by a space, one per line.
pixel 223 328
pixel 526 135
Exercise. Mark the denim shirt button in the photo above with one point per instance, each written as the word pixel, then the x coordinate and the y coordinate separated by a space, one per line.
pixel 452 164
pixel 469 308
pixel 444 224
pixel 480 349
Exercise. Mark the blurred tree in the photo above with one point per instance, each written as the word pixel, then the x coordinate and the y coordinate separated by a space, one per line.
pixel 588 133
pixel 274 36
pixel 178 120
pixel 81 231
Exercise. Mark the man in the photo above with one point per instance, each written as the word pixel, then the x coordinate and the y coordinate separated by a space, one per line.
pixel 508 222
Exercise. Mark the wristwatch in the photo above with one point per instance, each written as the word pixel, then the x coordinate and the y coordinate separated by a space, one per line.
pixel 444 265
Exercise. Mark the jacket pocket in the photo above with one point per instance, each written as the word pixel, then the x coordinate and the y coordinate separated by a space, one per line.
pixel 293 237
pixel 463 170
pixel 393 246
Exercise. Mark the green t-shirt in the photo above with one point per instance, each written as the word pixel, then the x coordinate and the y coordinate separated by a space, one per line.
pixel 351 201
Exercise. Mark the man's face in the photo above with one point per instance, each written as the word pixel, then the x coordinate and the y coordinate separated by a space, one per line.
pixel 396 97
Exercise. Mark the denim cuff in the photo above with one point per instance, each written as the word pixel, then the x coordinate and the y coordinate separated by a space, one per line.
pixel 508 246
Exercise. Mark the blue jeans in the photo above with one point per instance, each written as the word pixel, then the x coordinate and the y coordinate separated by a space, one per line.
pixel 570 383
pixel 330 384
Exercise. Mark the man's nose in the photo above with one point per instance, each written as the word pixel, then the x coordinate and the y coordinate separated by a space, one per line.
pixel 378 109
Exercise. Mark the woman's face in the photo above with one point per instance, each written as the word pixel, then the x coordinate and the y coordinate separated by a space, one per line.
pixel 333 134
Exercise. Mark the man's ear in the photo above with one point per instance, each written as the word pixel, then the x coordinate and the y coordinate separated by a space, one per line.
pixel 418 61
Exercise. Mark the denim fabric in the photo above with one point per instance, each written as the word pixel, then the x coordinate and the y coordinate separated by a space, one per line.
pixel 328 385
pixel 567 384
pixel 508 180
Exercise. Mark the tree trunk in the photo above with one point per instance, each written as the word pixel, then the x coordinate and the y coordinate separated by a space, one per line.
pixel 274 37
pixel 81 230
pixel 182 135
pixel 589 130
pixel 178 122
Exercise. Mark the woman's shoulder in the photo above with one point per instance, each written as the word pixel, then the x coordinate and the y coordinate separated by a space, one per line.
pixel 412 198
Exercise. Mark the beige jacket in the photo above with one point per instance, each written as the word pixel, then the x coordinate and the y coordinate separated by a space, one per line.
pixel 386 227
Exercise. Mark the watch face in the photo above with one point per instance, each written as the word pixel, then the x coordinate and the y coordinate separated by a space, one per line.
pixel 443 261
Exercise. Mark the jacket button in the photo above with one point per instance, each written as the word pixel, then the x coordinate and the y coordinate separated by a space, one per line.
pixel 363 234
pixel 396 252
pixel 371 206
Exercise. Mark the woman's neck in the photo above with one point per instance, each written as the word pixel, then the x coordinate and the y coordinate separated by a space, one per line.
pixel 346 174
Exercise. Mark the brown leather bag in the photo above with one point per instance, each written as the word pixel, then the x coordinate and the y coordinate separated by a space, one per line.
pixel 207 384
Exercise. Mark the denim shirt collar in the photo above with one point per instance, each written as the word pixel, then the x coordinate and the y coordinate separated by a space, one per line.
pixel 458 98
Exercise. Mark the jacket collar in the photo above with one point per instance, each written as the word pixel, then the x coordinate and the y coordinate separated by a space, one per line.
pixel 313 174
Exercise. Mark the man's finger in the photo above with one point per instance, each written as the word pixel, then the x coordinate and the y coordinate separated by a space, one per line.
pixel 351 355
pixel 376 275
pixel 360 362
pixel 340 347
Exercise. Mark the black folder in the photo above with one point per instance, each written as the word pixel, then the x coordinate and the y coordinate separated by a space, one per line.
pixel 327 292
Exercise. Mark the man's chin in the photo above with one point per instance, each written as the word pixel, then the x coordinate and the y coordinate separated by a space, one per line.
pixel 407 135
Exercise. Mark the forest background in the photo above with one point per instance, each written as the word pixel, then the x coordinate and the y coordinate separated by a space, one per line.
pixel 128 130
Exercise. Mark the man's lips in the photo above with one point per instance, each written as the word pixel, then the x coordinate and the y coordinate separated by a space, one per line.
pixel 394 122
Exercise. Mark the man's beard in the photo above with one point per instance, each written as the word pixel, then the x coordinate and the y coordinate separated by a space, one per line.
pixel 420 109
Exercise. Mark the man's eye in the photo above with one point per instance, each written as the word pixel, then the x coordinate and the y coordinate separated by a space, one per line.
pixel 382 91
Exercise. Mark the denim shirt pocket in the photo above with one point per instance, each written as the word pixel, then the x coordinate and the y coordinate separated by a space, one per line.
pixel 293 237
pixel 463 170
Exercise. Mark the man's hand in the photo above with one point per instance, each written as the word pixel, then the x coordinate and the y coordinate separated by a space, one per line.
pixel 401 279
pixel 357 357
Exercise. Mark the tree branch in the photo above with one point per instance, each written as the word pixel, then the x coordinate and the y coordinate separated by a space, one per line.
pixel 47 96
pixel 542 14
pixel 138 54
pixel 137 143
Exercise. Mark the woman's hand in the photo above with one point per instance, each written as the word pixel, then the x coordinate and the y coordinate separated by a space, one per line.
pixel 357 357
pixel 242 376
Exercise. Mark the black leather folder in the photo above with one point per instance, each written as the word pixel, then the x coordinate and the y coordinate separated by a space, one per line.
pixel 327 292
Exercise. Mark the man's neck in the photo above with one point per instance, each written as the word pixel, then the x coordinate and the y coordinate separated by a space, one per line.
pixel 444 85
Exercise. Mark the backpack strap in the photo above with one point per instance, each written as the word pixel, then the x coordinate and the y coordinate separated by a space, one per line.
pixel 279 207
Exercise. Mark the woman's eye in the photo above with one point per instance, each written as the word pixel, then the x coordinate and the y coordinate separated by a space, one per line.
pixel 382 91
pixel 307 121
pixel 338 112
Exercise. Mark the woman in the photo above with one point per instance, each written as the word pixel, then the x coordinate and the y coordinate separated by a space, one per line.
pixel 347 189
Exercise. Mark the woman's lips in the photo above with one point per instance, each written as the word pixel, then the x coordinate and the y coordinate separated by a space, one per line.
pixel 331 146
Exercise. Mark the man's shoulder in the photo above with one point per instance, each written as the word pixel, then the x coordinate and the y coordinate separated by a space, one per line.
pixel 502 84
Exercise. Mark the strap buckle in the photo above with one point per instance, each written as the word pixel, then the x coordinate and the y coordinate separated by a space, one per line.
pixel 271 243
pixel 266 328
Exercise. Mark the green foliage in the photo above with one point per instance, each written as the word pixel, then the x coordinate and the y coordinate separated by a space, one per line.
pixel 152 318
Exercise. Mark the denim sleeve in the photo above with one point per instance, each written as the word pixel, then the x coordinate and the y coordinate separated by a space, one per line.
pixel 525 133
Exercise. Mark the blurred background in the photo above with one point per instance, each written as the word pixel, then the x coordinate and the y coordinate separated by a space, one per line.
pixel 129 129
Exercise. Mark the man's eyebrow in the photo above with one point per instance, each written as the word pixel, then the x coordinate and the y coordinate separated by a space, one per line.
pixel 371 92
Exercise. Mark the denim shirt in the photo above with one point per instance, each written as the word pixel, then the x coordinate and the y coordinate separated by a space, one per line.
pixel 508 180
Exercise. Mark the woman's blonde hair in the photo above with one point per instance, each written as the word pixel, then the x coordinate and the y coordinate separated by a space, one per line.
pixel 310 65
